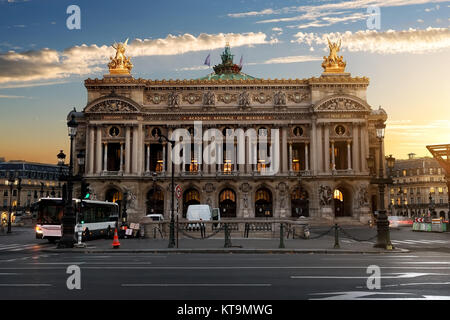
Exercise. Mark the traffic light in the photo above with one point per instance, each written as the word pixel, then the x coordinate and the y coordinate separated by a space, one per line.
pixel 85 190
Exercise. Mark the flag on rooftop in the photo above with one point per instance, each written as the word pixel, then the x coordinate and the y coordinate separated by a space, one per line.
pixel 208 60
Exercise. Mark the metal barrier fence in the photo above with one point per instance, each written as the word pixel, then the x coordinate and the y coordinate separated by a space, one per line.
pixel 276 228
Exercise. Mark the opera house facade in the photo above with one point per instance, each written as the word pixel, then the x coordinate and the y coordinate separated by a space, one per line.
pixel 255 148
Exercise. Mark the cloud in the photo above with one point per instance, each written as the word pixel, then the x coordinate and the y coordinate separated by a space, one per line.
pixel 31 84
pixel 288 59
pixel 389 42
pixel 193 68
pixel 82 60
pixel 346 5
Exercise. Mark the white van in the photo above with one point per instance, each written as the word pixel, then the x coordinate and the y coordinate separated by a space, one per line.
pixel 202 212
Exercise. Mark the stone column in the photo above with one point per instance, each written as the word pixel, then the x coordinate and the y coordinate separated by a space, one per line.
pixel 306 157
pixel 290 156
pixel 319 149
pixel 284 150
pixel 91 149
pixel 105 156
pixel 163 157
pixel 88 155
pixel 121 157
pixel 333 160
pixel 364 146
pixel 313 146
pixel 147 169
pixel 349 160
pixel 355 152
pixel 127 150
pixel 248 155
pixel 327 148
pixel 235 158
pixel 169 153
pixel 140 150
pixel 98 154
pixel 134 155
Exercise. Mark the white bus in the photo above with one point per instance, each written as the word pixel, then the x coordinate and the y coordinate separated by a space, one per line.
pixel 96 218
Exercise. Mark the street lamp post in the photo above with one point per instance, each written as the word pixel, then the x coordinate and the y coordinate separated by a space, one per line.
pixel 383 236
pixel 431 206
pixel 68 220
pixel 172 203
pixel 19 189
pixel 11 182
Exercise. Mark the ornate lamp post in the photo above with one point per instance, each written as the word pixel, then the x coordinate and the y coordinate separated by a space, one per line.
pixel 68 220
pixel 431 206
pixel 19 189
pixel 172 203
pixel 383 237
pixel 11 182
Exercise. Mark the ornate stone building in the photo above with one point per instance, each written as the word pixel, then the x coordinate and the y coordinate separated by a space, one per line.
pixel 320 132
pixel 419 185
pixel 37 180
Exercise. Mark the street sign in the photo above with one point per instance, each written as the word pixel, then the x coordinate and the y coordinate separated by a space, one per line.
pixel 178 191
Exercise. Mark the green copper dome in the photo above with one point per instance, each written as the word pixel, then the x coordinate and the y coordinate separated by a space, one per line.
pixel 227 70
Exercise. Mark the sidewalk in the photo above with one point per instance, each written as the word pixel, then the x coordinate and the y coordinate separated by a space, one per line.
pixel 239 245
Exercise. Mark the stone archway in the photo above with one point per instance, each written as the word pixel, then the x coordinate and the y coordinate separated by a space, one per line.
pixel 190 197
pixel 227 203
pixel 263 203
pixel 155 201
pixel 299 203
pixel 115 195
pixel 342 202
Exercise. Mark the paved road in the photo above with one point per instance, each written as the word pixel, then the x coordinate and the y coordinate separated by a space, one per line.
pixel 222 276
pixel 420 274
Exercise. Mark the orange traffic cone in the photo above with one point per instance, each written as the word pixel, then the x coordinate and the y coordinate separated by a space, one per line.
pixel 116 243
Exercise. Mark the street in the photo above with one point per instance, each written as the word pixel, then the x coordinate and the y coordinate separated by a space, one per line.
pixel 422 273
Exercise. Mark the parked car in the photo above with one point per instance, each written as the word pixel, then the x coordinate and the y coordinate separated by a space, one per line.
pixel 155 216
pixel 398 221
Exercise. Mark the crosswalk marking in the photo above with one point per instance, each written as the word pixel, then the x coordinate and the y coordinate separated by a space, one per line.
pixel 420 242
pixel 17 247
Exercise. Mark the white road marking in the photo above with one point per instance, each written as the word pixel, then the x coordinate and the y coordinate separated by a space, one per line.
pixel 25 285
pixel 363 295
pixel 196 285
pixel 395 276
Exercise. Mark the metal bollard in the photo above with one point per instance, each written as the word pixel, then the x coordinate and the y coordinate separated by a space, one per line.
pixel 281 236
pixel 227 237
pixel 336 236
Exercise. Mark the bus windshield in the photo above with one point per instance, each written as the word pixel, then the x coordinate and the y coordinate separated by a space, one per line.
pixel 50 212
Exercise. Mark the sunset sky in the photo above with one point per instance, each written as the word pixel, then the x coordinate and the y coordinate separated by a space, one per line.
pixel 43 63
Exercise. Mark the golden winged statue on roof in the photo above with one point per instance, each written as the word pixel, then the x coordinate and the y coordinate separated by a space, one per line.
pixel 334 63
pixel 120 64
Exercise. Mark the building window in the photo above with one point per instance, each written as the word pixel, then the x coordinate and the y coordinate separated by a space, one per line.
pixel 441 190
pixel 432 190
pixel 404 173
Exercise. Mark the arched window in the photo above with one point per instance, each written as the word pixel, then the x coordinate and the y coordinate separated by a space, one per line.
pixel 227 203
pixel 263 203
